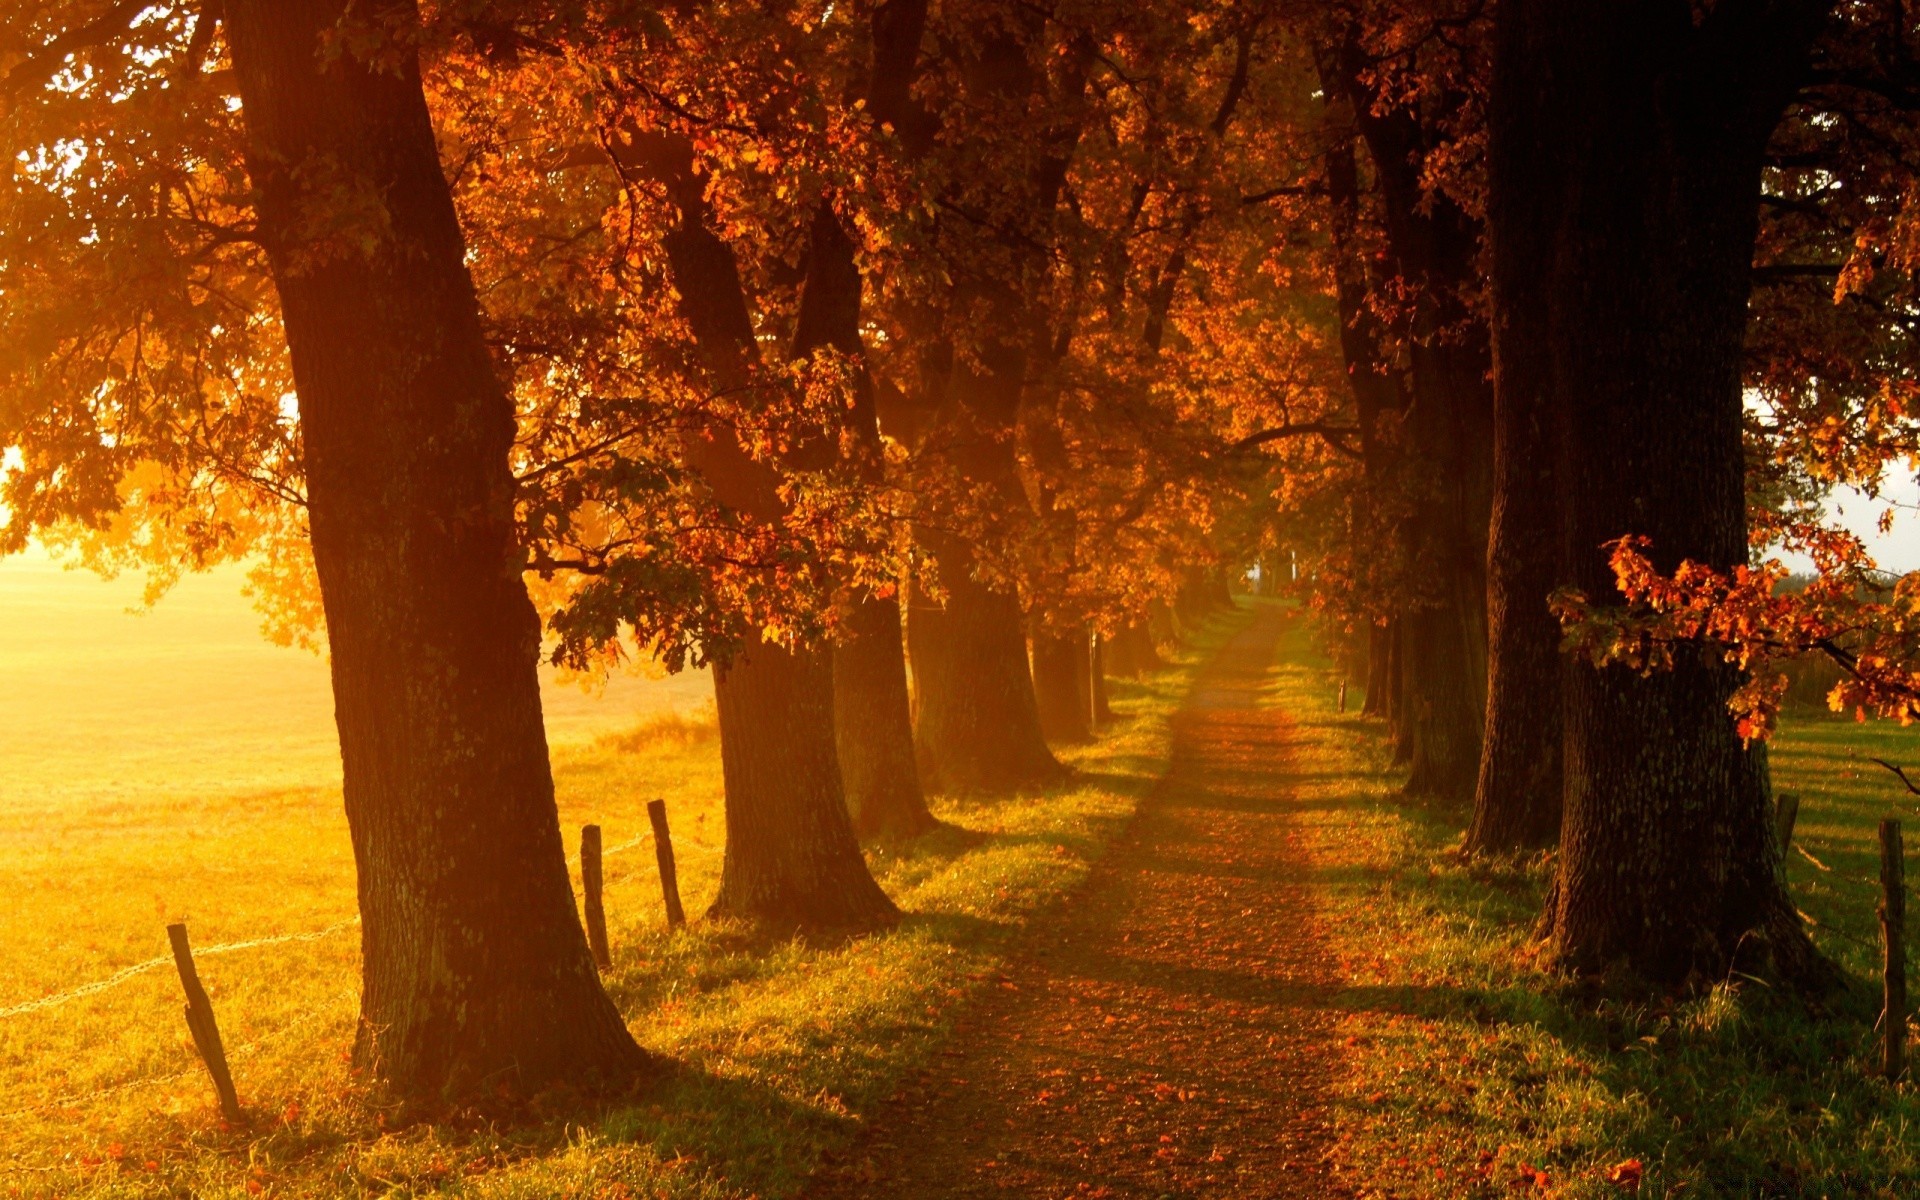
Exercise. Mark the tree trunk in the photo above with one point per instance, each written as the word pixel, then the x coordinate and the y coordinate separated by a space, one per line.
pixel 1102 709
pixel 1445 699
pixel 873 723
pixel 1667 860
pixel 1399 717
pixel 978 725
pixel 1432 247
pixel 1062 679
pixel 1379 663
pixel 1194 602
pixel 1376 385
pixel 1162 629
pixel 1518 794
pixel 475 972
pixel 1132 653
pixel 792 859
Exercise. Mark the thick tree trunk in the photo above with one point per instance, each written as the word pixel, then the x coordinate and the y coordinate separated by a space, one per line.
pixel 1195 600
pixel 1376 385
pixel 1062 682
pixel 1667 860
pixel 978 726
pixel 1162 628
pixel 1132 652
pixel 792 859
pixel 1379 663
pixel 1399 717
pixel 1432 245
pixel 1219 589
pixel 475 970
pixel 873 723
pixel 1445 700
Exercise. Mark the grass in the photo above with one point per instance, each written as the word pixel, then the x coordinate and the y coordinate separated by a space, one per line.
pixel 1472 1073
pixel 777 1047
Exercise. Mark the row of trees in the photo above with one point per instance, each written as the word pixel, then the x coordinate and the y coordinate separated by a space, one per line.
pixel 809 341
pixel 1629 298
pixel 720 333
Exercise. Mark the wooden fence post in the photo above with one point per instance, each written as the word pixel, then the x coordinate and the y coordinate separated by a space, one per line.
pixel 200 1023
pixel 591 882
pixel 1786 810
pixel 1093 681
pixel 1893 921
pixel 663 851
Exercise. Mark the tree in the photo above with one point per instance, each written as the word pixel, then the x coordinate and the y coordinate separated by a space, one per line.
pixel 1517 798
pixel 873 717
pixel 978 723
pixel 1410 94
pixel 1667 861
pixel 476 973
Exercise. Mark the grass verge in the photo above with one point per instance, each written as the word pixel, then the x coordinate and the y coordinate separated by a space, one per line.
pixel 779 1047
pixel 1472 1073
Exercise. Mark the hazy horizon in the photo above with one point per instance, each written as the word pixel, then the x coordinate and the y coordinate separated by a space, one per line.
pixel 102 699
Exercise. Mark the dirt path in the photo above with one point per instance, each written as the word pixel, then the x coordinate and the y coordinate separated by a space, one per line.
pixel 1166 1039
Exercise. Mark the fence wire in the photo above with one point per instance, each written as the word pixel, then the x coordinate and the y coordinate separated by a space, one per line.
pixel 141 968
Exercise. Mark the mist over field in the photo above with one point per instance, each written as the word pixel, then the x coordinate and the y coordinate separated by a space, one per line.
pixel 104 700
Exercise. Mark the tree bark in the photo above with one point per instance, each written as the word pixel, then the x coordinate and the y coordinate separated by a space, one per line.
pixel 1062 679
pixel 1133 653
pixel 873 722
pixel 1379 663
pixel 978 724
pixel 1518 793
pixel 1399 718
pixel 475 970
pixel 792 859
pixel 1377 388
pixel 1667 860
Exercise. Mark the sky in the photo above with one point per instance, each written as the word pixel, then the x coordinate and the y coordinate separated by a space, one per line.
pixel 1897 550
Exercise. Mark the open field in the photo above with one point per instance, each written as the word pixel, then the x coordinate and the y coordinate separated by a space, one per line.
pixel 101 700
pixel 774 1044
pixel 1473 1073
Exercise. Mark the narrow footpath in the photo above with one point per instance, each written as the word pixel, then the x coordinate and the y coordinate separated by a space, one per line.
pixel 1167 1037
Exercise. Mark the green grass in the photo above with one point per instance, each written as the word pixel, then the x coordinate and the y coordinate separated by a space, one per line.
pixel 777 1047
pixel 1471 1072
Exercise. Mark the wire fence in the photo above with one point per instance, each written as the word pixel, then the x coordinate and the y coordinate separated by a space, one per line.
pixel 138 969
pixel 129 973
pixel 1830 876
pixel 245 1050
